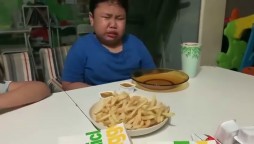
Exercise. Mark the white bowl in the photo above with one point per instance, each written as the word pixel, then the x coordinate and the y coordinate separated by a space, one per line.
pixel 136 132
pixel 106 94
pixel 127 87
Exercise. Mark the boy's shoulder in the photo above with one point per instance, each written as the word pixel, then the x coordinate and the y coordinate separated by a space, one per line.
pixel 86 37
pixel 131 38
pixel 83 42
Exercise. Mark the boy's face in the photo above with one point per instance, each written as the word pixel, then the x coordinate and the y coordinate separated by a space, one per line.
pixel 109 21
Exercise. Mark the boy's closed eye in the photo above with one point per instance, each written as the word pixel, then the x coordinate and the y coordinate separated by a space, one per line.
pixel 106 17
pixel 120 18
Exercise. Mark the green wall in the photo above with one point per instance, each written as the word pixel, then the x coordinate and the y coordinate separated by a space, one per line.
pixel 63 11
pixel 8 8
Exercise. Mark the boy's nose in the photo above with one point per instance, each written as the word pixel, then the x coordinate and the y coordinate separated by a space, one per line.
pixel 113 23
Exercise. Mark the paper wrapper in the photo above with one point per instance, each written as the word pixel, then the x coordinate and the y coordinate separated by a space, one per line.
pixel 113 135
pixel 185 142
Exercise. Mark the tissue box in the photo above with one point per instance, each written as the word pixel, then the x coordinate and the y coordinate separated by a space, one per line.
pixel 113 135
pixel 226 131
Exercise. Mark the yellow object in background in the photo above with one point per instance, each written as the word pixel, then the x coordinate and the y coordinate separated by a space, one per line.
pixel 241 24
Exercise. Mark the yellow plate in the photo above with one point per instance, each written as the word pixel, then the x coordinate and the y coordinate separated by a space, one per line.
pixel 159 79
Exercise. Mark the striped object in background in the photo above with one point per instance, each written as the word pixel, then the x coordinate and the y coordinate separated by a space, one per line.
pixel 61 54
pixel 48 68
pixel 48 65
pixel 17 66
pixel 55 85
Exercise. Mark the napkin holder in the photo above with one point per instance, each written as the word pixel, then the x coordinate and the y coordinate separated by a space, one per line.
pixel 226 132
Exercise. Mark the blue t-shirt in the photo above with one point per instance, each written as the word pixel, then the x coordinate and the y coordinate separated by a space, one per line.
pixel 90 62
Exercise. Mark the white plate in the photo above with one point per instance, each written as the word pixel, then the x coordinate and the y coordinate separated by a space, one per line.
pixel 137 132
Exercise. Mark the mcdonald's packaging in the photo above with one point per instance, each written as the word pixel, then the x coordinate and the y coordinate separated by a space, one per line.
pixel 114 135
pixel 185 142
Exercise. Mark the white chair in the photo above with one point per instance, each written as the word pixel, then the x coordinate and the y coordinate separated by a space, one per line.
pixel 47 62
pixel 61 53
pixel 83 29
pixel 49 72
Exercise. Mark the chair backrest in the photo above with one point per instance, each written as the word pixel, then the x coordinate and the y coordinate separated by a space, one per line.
pixel 49 69
pixel 17 66
pixel 61 53
pixel 84 29
pixel 48 65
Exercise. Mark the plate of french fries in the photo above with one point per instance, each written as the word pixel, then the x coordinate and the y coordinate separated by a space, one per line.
pixel 140 114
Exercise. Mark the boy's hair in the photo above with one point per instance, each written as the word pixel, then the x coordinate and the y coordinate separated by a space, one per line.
pixel 123 3
pixel 2 74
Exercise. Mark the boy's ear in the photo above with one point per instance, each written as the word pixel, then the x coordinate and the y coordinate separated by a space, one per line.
pixel 91 18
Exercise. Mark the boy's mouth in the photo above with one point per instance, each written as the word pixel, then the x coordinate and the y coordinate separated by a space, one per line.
pixel 112 34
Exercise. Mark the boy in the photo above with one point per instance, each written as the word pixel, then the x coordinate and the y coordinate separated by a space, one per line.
pixel 108 54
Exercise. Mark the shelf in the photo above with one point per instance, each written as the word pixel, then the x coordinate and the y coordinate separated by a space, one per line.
pixel 35 6
pixel 35 15
pixel 37 26
pixel 15 31
pixel 13 48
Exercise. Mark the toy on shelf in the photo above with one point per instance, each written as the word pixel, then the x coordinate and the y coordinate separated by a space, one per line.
pixel 248 58
pixel 234 15
pixel 233 57
pixel 248 70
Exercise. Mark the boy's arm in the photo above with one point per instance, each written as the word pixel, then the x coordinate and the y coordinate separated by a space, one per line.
pixel 74 85
pixel 22 93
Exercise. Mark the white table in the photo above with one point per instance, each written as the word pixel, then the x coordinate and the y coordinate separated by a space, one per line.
pixel 46 122
pixel 214 96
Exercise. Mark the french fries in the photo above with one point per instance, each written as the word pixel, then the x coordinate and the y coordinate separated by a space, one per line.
pixel 134 111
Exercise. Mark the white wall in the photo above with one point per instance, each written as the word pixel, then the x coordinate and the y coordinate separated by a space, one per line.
pixel 185 28
pixel 211 29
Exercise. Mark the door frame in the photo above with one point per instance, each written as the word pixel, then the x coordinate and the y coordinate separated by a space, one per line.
pixel 211 28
